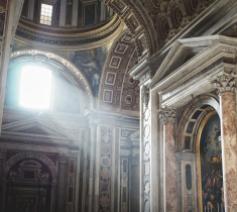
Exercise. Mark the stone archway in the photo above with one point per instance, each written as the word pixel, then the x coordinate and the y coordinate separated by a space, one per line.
pixel 30 183
pixel 200 156
pixel 28 187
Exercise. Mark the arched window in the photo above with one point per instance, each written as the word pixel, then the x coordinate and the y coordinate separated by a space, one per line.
pixel 35 87
pixel 39 84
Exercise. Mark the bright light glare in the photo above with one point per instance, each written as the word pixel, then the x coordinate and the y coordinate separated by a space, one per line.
pixel 35 87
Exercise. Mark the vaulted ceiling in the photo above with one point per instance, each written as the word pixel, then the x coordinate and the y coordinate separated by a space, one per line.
pixel 153 23
pixel 136 32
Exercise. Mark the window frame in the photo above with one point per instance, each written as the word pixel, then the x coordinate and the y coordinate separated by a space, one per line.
pixel 51 95
pixel 46 19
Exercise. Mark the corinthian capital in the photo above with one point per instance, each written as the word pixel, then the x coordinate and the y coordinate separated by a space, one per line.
pixel 226 82
pixel 167 115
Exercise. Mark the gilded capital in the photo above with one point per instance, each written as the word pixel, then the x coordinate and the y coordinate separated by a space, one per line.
pixel 226 82
pixel 167 115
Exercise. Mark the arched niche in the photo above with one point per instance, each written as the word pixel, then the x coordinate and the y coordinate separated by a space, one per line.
pixel 35 156
pixel 31 179
pixel 209 164
pixel 196 156
pixel 71 87
pixel 191 117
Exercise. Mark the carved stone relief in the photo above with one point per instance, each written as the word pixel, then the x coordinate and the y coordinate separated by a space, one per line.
pixel 146 146
pixel 105 177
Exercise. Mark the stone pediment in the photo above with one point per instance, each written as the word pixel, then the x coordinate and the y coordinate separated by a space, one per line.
pixel 182 51
pixel 39 125
pixel 178 84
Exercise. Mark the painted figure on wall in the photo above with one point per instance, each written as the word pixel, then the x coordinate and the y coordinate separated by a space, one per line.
pixel 91 63
pixel 211 166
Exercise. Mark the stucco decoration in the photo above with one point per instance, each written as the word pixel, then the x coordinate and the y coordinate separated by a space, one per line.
pixel 118 89
pixel 154 23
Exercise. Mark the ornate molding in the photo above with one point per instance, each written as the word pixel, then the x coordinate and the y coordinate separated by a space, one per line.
pixel 69 38
pixel 154 24
pixel 143 72
pixel 167 115
pixel 105 170
pixel 139 24
pixel 226 82
pixel 117 88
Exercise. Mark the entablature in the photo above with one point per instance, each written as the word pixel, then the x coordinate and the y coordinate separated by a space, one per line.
pixel 196 75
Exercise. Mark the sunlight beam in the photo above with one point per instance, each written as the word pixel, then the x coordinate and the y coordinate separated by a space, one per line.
pixel 35 87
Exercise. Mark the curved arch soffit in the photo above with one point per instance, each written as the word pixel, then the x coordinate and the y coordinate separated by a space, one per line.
pixel 74 71
pixel 120 58
pixel 139 24
pixel 35 156
pixel 124 39
pixel 198 104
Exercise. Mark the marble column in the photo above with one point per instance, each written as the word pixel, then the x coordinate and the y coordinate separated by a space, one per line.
pixel 85 164
pixel 61 194
pixel 226 85
pixel 155 155
pixel 93 136
pixel 168 117
pixel 145 150
pixel 134 181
